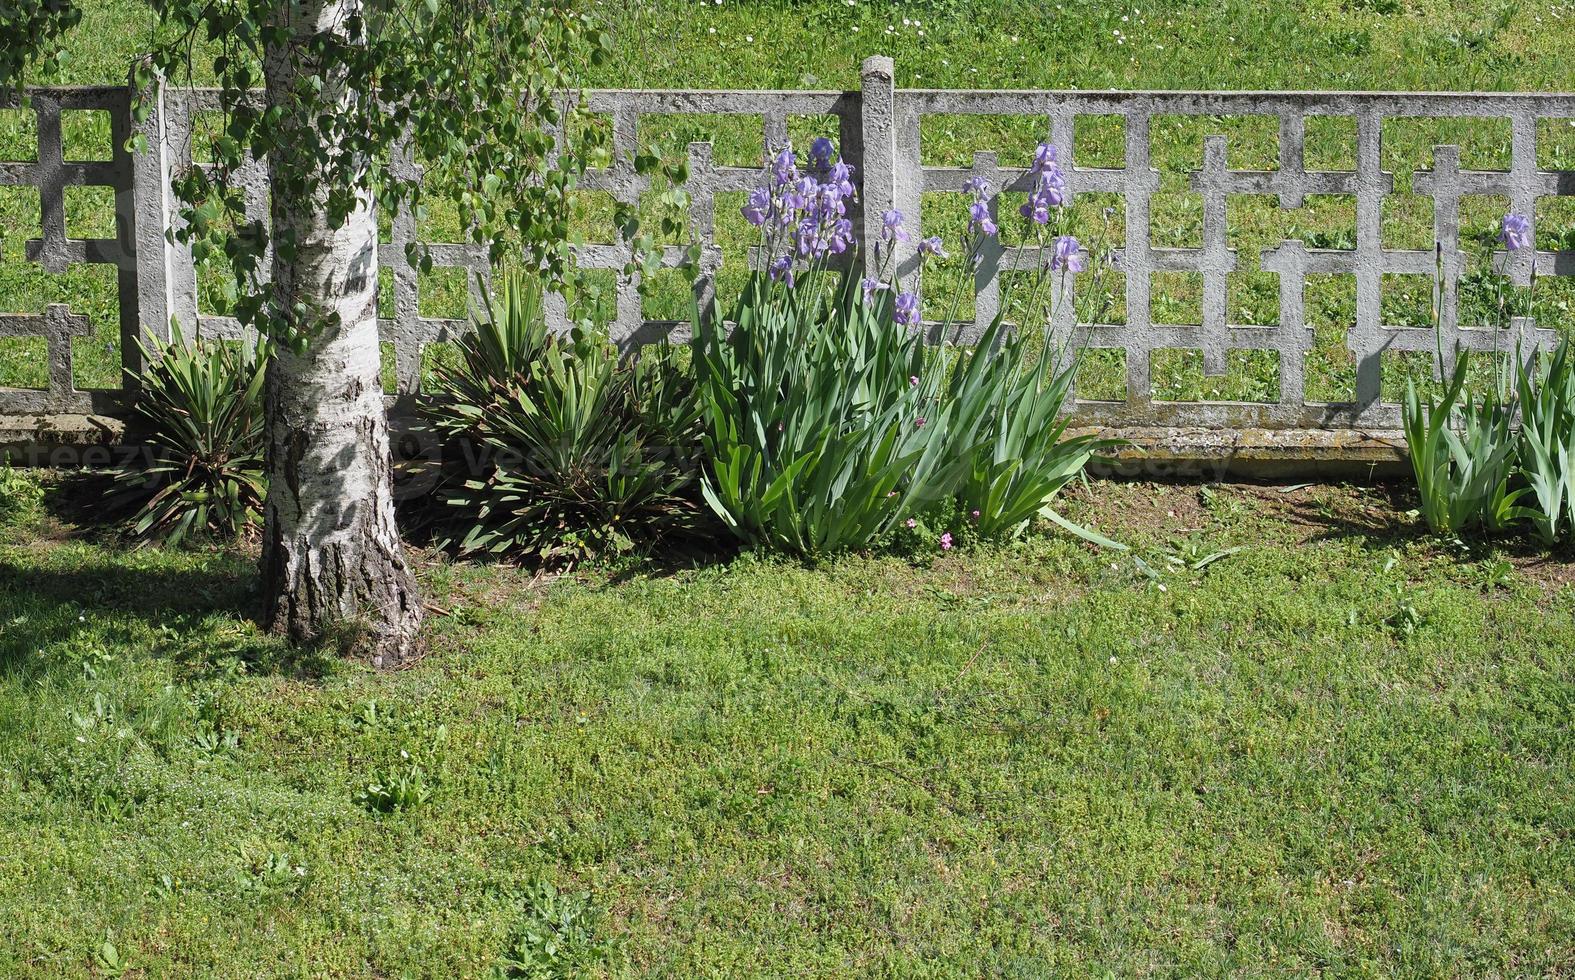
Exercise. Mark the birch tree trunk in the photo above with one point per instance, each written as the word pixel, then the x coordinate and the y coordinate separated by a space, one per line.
pixel 332 561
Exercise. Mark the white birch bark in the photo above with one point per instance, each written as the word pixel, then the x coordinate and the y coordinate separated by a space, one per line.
pixel 332 559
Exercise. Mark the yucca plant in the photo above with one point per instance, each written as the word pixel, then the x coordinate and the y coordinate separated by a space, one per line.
pixel 566 450
pixel 201 402
pixel 1547 444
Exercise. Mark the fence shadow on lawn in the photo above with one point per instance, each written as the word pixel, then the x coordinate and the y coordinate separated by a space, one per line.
pixel 1389 521
pixel 1376 525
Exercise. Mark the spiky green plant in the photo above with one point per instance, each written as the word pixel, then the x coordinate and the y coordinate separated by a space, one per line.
pixel 1462 451
pixel 1026 458
pixel 824 421
pixel 1547 444
pixel 565 449
pixel 201 404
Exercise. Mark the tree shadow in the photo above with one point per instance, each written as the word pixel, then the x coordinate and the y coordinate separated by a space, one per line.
pixel 197 610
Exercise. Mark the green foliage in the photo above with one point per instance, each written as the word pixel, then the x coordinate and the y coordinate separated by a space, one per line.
pixel 475 88
pixel 20 495
pixel 1473 464
pixel 560 936
pixel 824 421
pixel 1547 445
pixel 394 789
pixel 33 31
pixel 1462 476
pixel 569 451
pixel 1026 458
pixel 484 95
pixel 201 402
pixel 829 419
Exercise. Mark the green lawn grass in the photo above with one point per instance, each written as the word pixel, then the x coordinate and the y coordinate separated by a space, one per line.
pixel 1342 748
pixel 1350 44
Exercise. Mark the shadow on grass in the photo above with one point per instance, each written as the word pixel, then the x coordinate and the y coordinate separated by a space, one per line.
pixel 201 612
pixel 1377 520
pixel 88 505
pixel 1391 520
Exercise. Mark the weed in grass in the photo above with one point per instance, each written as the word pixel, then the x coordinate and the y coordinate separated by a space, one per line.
pixel 107 958
pixel 20 496
pixel 395 788
pixel 275 873
pixel 560 935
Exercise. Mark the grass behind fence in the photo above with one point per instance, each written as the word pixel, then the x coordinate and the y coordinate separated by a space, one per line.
pixel 1342 44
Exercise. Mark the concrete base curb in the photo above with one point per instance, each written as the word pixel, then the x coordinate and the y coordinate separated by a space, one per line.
pixel 70 441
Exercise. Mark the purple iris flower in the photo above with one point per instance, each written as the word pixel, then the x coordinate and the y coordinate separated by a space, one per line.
pixel 979 221
pixel 1052 186
pixel 784 167
pixel 978 187
pixel 933 246
pixel 891 227
pixel 821 150
pixel 808 238
pixel 842 177
pixel 1044 156
pixel 792 203
pixel 873 286
pixel 1517 232
pixel 829 199
pixel 782 271
pixel 815 237
pixel 907 309
pixel 1035 210
pixel 1049 190
pixel 758 209
pixel 1068 254
pixel 841 235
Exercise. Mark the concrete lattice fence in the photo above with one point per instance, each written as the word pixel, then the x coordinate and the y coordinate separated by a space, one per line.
pixel 879 133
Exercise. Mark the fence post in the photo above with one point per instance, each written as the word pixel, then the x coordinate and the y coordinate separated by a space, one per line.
pixel 891 179
pixel 150 181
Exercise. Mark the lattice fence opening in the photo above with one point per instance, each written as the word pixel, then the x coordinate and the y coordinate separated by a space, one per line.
pixel 50 174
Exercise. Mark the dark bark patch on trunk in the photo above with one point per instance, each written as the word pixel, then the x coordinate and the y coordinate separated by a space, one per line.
pixel 356 592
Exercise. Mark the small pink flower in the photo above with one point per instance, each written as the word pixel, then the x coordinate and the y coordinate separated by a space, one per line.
pixel 913 380
pixel 912 522
pixel 892 494
pixel 918 423
pixel 946 541
pixel 976 515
